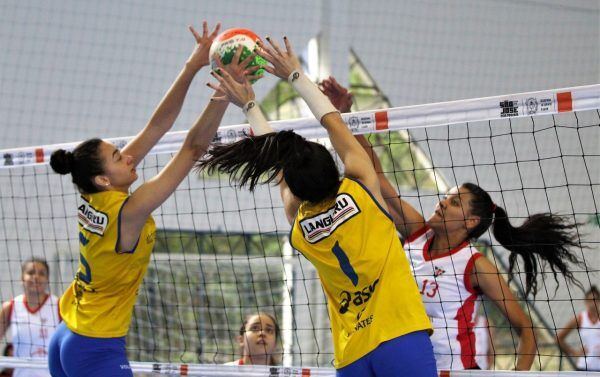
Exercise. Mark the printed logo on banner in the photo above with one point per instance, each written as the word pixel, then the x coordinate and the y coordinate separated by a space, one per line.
pixel 120 144
pixel 218 137
pixel 366 121
pixel 546 104
pixel 288 372
pixel 8 159
pixel 532 105
pixel 354 123
pixel 509 108
pixel 231 134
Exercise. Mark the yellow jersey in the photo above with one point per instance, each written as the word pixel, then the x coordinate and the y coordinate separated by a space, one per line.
pixel 99 302
pixel 371 294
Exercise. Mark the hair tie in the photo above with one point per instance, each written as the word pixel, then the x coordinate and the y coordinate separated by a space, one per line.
pixel 493 207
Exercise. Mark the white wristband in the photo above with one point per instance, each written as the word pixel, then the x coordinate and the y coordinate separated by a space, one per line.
pixel 318 102
pixel 256 119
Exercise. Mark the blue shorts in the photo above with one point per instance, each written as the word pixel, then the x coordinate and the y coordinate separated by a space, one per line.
pixel 73 355
pixel 406 355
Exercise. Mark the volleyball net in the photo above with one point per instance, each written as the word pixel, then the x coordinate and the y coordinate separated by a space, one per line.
pixel 222 252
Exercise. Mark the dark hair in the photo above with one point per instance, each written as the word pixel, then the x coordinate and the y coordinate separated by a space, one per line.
pixel 273 360
pixel 84 163
pixel 593 290
pixel 41 261
pixel 546 236
pixel 307 167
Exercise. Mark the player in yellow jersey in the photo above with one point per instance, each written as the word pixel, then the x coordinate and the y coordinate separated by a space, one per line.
pixel 116 229
pixel 342 226
pixel 451 273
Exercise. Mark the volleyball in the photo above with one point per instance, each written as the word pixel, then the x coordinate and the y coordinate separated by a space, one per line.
pixel 228 41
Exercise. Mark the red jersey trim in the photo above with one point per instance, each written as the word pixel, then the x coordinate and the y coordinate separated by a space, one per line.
pixel 427 257
pixel 417 234
pixel 468 270
pixel 466 335
pixel 33 311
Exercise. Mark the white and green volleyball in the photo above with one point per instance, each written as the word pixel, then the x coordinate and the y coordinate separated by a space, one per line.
pixel 226 43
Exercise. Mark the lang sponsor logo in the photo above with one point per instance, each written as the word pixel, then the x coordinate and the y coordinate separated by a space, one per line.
pixel 91 219
pixel 325 223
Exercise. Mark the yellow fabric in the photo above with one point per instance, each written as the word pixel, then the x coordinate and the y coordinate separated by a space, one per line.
pixel 100 301
pixel 371 294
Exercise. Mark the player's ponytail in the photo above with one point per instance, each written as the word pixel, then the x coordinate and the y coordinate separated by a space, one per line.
pixel 546 236
pixel 84 163
pixel 308 168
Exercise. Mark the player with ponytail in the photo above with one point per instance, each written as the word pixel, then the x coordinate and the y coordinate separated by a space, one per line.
pixel 340 224
pixel 451 273
pixel 116 228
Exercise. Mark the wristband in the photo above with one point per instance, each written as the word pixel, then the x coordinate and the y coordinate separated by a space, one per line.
pixel 256 119
pixel 318 102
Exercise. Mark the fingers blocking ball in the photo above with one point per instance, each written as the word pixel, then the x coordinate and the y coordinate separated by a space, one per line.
pixel 226 43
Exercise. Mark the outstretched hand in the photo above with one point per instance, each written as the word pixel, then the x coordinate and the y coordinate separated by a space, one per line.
pixel 239 70
pixel 199 57
pixel 284 62
pixel 340 97
pixel 231 88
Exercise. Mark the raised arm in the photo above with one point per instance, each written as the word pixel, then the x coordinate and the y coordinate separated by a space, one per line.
pixel 155 191
pixel 169 107
pixel 562 335
pixel 406 218
pixel 356 163
pixel 242 95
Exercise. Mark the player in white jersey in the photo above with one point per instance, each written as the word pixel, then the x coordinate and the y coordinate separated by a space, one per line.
pixel 451 300
pixel 483 342
pixel 450 272
pixel 588 325
pixel 31 316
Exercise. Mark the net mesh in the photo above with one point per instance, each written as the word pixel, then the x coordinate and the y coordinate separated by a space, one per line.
pixel 72 70
pixel 222 252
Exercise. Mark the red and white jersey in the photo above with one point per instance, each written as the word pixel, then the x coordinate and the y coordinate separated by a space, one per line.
pixel 590 337
pixel 450 300
pixel 31 331
pixel 482 341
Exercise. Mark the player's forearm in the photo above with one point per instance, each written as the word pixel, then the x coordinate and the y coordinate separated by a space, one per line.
pixel 203 131
pixel 256 118
pixel 169 107
pixel 526 349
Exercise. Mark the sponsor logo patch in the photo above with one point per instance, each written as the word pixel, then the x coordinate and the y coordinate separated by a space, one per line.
pixel 91 219
pixel 324 224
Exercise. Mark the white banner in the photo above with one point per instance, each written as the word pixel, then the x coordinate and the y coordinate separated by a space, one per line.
pixel 435 114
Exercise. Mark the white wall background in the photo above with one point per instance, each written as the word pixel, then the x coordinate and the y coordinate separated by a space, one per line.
pixel 70 70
